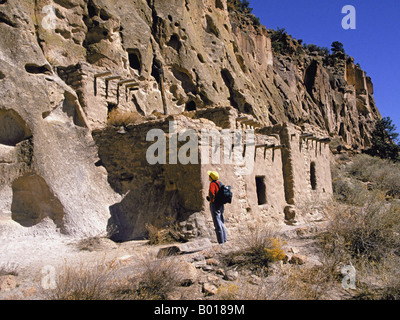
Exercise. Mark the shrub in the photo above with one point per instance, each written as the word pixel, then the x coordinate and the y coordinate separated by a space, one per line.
pixel 118 118
pixel 228 292
pixel 383 174
pixel 260 248
pixel 164 231
pixel 349 191
pixel 369 233
pixel 82 282
pixel 312 283
pixel 159 278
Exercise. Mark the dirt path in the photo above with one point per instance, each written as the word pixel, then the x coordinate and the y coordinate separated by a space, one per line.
pixel 32 259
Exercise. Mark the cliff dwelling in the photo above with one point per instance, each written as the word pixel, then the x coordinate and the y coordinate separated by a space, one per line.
pixel 284 168
pixel 73 142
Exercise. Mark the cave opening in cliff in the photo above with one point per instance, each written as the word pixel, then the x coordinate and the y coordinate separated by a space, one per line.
pixel 33 201
pixel 134 60
pixel 261 190
pixel 191 106
pixel 313 176
pixel 174 42
pixel 13 128
pixel 36 69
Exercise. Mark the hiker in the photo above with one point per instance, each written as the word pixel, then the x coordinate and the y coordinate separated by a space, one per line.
pixel 216 207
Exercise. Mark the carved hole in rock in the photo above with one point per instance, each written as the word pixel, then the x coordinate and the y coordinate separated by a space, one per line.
pixel 200 57
pixel 219 4
pixel 70 107
pixel 92 9
pixel 211 27
pixel 64 33
pixel 12 128
pixel 341 130
pixel 135 59
pixel 313 176
pixel 185 78
pixel 104 15
pixel 190 106
pixel 3 1
pixel 237 100
pixel 241 63
pixel 247 108
pixel 261 190
pixel 227 77
pixel 174 42
pixel 2 76
pixel 36 69
pixel 33 201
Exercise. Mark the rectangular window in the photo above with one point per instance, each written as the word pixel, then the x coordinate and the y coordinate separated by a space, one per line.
pixel 261 190
pixel 313 176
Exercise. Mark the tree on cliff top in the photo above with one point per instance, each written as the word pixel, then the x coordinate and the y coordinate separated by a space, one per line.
pixel 243 6
pixel 337 47
pixel 384 140
pixel 240 5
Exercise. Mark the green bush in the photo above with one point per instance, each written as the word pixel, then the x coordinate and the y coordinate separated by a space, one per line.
pixel 384 140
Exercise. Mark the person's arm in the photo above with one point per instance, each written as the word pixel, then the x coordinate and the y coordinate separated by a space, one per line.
pixel 213 191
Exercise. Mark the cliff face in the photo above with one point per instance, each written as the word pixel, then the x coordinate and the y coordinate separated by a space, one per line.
pixel 64 73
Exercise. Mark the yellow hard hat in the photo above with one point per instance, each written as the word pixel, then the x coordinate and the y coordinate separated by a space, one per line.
pixel 213 174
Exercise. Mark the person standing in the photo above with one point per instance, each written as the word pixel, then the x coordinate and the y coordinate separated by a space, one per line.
pixel 216 207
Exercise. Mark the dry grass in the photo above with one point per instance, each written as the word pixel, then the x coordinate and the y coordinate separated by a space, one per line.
pixel 82 282
pixel 119 118
pixel 163 231
pixel 159 278
pixel 363 233
pixel 260 248
pixel 155 279
pixel 351 181
pixel 89 244
pixel 364 226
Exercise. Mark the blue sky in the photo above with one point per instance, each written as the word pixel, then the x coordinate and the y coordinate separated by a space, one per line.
pixel 374 44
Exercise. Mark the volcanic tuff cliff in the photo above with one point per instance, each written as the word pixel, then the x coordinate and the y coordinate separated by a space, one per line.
pixel 108 58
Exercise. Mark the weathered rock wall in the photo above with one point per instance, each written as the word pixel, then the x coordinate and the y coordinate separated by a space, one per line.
pixel 62 75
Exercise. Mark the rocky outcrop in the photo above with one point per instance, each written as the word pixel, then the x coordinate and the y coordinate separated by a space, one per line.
pixel 66 66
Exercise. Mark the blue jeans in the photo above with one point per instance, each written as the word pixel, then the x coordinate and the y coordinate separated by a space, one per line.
pixel 217 212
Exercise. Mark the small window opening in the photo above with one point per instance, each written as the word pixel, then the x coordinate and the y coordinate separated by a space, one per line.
pixel 191 106
pixel 261 190
pixel 134 61
pixel 313 176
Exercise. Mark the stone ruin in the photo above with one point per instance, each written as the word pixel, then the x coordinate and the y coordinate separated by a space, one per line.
pixel 66 169
pixel 291 171
pixel 290 165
